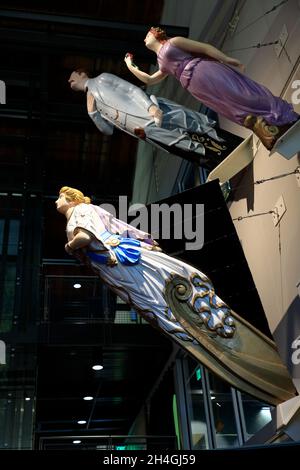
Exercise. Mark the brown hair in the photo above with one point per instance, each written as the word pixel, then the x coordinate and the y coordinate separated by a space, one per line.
pixel 74 195
pixel 159 34
pixel 82 70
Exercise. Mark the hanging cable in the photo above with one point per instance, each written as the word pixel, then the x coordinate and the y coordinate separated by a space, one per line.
pixel 261 181
pixel 260 17
pixel 257 46
pixel 238 219
pixel 265 180
pixel 221 208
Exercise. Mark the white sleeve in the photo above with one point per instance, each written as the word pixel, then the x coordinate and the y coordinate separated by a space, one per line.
pixel 84 217
pixel 103 125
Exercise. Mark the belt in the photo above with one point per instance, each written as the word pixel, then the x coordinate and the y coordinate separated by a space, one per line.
pixel 127 250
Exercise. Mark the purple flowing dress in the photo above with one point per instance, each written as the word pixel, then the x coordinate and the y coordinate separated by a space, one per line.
pixel 222 88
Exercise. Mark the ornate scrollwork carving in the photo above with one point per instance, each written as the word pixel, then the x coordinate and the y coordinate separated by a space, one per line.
pixel 222 340
pixel 194 300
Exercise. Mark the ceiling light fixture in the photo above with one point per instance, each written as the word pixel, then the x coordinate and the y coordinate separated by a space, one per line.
pixel 97 358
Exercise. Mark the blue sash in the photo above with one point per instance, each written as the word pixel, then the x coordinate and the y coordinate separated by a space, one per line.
pixel 127 250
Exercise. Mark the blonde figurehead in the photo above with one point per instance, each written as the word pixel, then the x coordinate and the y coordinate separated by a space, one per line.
pixel 74 195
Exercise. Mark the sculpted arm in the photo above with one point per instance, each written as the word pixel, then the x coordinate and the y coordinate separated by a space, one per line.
pixel 104 126
pixel 196 47
pixel 156 77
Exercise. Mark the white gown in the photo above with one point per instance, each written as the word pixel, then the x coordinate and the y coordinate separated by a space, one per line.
pixel 143 285
pixel 180 301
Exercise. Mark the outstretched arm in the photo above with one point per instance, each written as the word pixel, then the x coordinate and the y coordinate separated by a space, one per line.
pixel 196 47
pixel 143 76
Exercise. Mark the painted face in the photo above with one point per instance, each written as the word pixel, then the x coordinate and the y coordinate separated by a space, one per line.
pixel 62 204
pixel 149 39
pixel 76 79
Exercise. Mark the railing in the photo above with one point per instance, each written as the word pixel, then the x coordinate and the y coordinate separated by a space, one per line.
pixel 108 442
pixel 73 299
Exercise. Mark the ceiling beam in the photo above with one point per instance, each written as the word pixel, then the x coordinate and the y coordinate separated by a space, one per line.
pixel 73 40
pixel 83 21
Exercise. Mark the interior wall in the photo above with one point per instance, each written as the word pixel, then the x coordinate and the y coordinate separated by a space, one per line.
pixel 272 251
pixel 262 63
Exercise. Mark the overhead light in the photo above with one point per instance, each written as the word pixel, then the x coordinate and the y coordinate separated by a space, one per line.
pixel 81 421
pixel 97 358
pixel 265 411
pixel 77 286
pixel 213 397
pixel 88 398
pixel 27 398
pixel 218 404
pixel 77 441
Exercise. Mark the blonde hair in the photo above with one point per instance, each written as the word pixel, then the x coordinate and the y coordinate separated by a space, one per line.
pixel 74 195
